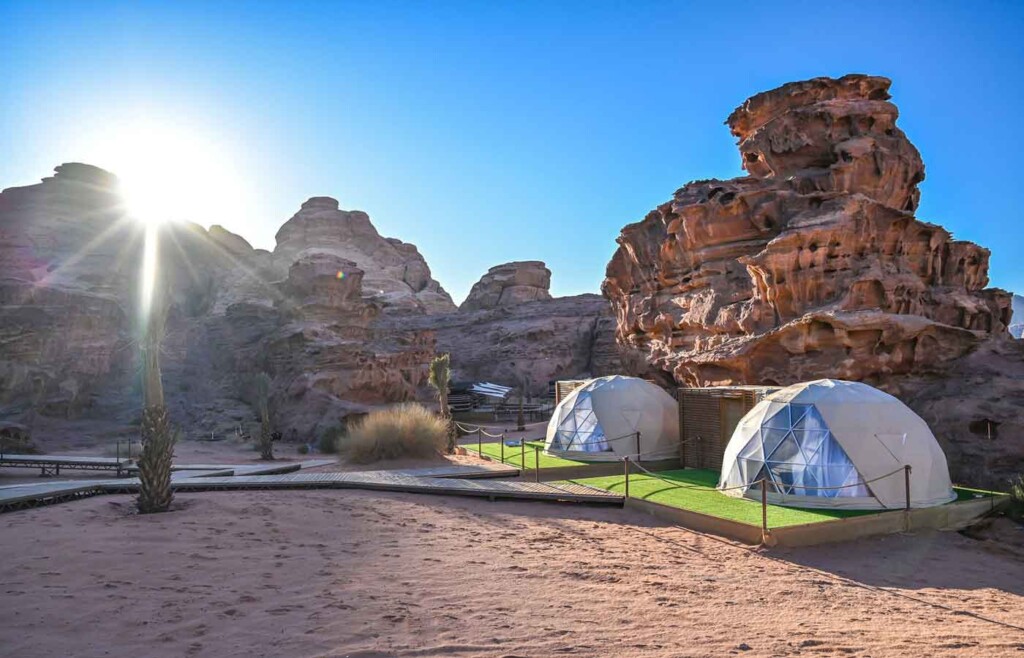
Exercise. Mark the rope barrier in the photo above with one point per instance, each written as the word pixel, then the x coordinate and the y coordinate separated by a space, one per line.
pixel 764 480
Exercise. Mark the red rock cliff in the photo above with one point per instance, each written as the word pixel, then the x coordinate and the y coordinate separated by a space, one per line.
pixel 813 265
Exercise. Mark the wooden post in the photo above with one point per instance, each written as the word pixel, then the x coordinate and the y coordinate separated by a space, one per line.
pixel 764 511
pixel 502 447
pixel 625 468
pixel 522 454
pixel 536 464
pixel 118 451
pixel 480 442
pixel 906 477
pixel 638 447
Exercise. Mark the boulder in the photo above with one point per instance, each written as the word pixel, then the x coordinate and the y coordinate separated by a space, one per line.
pixel 510 284
pixel 394 272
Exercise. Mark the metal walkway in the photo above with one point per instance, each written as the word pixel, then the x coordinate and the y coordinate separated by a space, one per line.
pixel 456 480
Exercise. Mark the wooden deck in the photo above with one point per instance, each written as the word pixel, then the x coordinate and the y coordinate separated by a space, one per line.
pixel 51 464
pixel 461 471
pixel 396 481
pixel 45 493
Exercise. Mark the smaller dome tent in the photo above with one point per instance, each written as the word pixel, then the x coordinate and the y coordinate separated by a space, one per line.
pixel 599 421
pixel 810 439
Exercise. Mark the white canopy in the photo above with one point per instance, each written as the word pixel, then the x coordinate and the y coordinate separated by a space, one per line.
pixel 845 435
pixel 599 421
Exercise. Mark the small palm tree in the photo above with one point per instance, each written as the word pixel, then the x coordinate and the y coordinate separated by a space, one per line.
pixel 158 439
pixel 266 440
pixel 439 377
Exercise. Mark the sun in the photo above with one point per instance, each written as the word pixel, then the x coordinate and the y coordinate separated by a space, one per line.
pixel 172 172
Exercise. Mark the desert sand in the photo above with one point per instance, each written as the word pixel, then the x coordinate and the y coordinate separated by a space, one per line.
pixel 349 573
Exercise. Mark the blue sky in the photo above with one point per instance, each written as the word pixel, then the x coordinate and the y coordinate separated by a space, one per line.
pixel 488 132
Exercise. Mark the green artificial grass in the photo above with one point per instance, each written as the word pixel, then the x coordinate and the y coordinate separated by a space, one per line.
pixel 514 455
pixel 694 490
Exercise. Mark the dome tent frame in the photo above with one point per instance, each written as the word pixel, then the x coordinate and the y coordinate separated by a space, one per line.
pixel 835 444
pixel 610 418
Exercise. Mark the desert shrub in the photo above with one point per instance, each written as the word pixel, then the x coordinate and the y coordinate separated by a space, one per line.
pixel 328 440
pixel 303 449
pixel 407 430
pixel 1017 497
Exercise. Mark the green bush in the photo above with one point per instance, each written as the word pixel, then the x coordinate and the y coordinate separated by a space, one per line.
pixel 1017 498
pixel 328 441
pixel 303 449
pixel 407 430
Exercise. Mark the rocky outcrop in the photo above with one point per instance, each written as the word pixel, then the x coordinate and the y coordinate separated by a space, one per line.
pixel 510 284
pixel 811 266
pixel 394 272
pixel 65 266
pixel 341 318
pixel 531 343
pixel 1017 320
pixel 69 280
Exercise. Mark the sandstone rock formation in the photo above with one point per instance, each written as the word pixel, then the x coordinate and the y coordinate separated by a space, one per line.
pixel 531 343
pixel 510 284
pixel 1017 321
pixel 813 265
pixel 395 272
pixel 340 317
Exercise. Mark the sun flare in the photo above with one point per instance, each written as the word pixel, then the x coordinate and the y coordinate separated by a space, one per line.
pixel 171 172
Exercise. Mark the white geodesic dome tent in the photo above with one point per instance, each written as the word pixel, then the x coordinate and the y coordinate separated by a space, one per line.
pixel 830 433
pixel 599 421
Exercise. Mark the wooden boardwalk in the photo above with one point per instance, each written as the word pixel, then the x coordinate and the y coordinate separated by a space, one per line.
pixel 396 481
pixel 455 480
pixel 51 464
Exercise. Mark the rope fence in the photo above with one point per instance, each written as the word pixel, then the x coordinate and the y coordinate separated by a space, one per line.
pixel 763 484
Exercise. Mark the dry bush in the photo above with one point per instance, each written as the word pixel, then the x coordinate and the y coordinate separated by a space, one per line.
pixel 407 430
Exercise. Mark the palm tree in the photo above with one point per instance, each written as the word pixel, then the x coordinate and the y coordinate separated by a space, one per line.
pixel 439 377
pixel 266 442
pixel 158 439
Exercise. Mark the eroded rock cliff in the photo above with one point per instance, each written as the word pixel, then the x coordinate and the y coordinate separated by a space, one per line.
pixel 1017 321
pixel 813 266
pixel 340 317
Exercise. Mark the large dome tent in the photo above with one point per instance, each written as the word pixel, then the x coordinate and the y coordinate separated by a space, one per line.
pixel 834 444
pixel 599 421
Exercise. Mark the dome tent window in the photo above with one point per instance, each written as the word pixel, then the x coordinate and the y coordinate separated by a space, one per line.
pixel 831 443
pixel 579 428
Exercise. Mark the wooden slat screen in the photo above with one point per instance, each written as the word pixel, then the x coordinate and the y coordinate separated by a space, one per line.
pixel 566 387
pixel 707 418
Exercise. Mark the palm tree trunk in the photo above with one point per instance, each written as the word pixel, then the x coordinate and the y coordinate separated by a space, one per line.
pixel 155 493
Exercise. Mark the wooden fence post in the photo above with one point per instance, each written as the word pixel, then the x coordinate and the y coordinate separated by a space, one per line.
pixel 764 511
pixel 536 464
pixel 625 468
pixel 502 447
pixel 480 442
pixel 906 478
